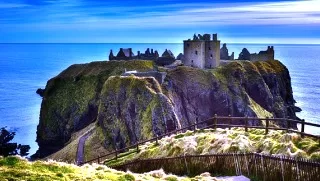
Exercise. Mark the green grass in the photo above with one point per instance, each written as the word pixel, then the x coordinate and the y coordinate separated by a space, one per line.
pixel 17 168
pixel 236 140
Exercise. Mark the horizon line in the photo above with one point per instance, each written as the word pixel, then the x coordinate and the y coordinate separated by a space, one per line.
pixel 158 43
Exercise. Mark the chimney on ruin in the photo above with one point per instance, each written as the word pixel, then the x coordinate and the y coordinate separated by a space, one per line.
pixel 215 37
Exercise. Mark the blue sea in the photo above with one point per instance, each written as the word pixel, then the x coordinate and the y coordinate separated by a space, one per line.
pixel 26 67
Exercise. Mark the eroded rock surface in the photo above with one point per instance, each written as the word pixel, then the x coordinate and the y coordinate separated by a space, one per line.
pixel 129 108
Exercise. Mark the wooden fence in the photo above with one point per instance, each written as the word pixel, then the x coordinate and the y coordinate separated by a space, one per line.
pixel 215 122
pixel 251 165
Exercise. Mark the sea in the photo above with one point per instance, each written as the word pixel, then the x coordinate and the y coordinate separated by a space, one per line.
pixel 26 67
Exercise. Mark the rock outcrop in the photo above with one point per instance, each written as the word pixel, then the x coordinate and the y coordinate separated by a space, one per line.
pixel 40 92
pixel 71 99
pixel 260 89
pixel 133 109
pixel 129 109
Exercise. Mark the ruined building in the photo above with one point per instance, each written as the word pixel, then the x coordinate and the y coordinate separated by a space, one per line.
pixel 202 52
pixel 127 54
pixel 148 55
pixel 123 54
pixel 244 54
pixel 224 53
pixel 261 56
pixel 167 58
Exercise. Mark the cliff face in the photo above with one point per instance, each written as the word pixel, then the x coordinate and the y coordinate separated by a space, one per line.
pixel 71 99
pixel 131 108
pixel 239 89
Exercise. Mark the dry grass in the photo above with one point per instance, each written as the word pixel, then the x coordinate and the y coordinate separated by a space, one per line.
pixel 17 168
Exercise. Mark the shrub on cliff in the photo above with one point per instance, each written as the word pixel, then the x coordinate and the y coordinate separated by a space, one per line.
pixel 7 148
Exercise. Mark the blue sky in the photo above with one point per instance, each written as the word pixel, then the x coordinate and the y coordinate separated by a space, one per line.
pixel 158 21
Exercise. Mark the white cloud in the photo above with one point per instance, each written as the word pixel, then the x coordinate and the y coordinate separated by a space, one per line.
pixel 279 13
pixel 79 14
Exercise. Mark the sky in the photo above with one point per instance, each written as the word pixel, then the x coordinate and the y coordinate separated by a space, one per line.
pixel 159 21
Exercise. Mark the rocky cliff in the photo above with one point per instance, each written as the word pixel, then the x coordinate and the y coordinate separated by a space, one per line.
pixel 71 99
pixel 131 108
pixel 239 89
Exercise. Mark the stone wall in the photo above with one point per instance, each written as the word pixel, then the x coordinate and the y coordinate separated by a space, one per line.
pixel 194 53
pixel 212 54
pixel 159 76
pixel 261 57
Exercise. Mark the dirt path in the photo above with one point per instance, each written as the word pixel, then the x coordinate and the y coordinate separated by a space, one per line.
pixel 81 144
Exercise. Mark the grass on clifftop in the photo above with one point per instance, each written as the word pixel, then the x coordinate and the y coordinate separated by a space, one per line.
pixel 236 140
pixel 16 169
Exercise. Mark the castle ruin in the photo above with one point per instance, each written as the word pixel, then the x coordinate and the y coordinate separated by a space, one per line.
pixel 167 58
pixel 127 54
pixel 224 53
pixel 261 56
pixel 202 52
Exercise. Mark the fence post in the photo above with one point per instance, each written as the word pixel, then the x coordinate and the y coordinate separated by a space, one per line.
pixel 246 124
pixel 116 154
pixel 137 146
pixel 99 159
pixel 215 121
pixel 302 128
pixel 267 125
pixel 230 120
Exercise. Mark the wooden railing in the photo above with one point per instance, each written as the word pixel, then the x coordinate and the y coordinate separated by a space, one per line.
pixel 252 165
pixel 249 122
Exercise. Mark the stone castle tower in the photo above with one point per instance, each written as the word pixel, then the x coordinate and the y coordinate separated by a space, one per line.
pixel 202 52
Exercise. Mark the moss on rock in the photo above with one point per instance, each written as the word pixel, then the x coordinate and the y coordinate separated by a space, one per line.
pixel 70 100
pixel 130 109
pixel 134 109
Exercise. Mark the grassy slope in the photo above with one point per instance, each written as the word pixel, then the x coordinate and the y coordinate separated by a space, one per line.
pixel 94 145
pixel 69 152
pixel 15 168
pixel 228 141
